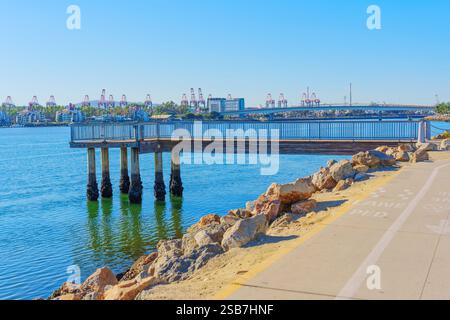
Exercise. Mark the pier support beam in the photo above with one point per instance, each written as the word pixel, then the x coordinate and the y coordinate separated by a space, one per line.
pixel 124 178
pixel 176 185
pixel 135 192
pixel 106 189
pixel 160 187
pixel 92 187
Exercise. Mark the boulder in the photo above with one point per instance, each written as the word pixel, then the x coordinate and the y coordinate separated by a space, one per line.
pixel 244 231
pixel 342 170
pixel 98 281
pixel 139 266
pixel 170 248
pixel 289 193
pixel 391 152
pixel 212 234
pixel 67 288
pixel 428 146
pixel 343 185
pixel 303 207
pixel 406 147
pixel 208 219
pixel 323 179
pixel 250 205
pixel 330 163
pixel 361 168
pixel 173 268
pixel 188 243
pixel 235 215
pixel 241 213
pixel 282 222
pixel 373 159
pixel 383 149
pixel 420 155
pixel 445 145
pixel 401 156
pixel 271 210
pixel 128 290
pixel 359 177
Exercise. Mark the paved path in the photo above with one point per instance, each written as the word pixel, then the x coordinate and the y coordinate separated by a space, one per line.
pixel 395 244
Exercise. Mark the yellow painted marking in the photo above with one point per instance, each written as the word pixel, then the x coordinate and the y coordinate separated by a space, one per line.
pixel 290 246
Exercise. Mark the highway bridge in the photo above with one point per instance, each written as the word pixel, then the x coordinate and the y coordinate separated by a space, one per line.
pixel 332 107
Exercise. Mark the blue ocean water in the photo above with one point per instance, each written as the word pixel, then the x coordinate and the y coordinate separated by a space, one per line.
pixel 46 224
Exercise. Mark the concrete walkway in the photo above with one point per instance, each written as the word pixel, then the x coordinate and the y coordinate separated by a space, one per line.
pixel 395 244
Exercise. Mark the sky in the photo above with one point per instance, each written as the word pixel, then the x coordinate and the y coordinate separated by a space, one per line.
pixel 246 48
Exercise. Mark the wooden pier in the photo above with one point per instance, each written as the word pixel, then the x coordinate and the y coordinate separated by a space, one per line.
pixel 237 137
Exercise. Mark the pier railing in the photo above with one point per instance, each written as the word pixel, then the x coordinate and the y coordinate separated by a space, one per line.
pixel 288 130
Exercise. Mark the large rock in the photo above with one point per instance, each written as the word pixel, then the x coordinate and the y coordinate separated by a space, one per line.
pixel 289 193
pixel 304 207
pixel 406 147
pixel 445 145
pixel 428 146
pixel 234 216
pixel 209 219
pixel 98 281
pixel 383 149
pixel 212 234
pixel 401 156
pixel 420 155
pixel 128 290
pixel 170 248
pixel 342 170
pixel 373 159
pixel 177 268
pixel 244 231
pixel 343 185
pixel 139 266
pixel 361 168
pixel 323 179
pixel 65 290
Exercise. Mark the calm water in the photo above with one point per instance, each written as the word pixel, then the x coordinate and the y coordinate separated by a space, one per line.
pixel 47 225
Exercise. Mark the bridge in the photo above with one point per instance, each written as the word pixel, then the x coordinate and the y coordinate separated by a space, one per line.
pixel 227 137
pixel 332 107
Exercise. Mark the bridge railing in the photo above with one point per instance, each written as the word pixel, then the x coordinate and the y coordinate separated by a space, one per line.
pixel 289 130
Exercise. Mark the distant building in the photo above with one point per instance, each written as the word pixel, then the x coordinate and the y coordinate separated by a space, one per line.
pixel 30 116
pixel 225 105
pixel 234 104
pixel 70 116
pixel 4 119
pixel 216 105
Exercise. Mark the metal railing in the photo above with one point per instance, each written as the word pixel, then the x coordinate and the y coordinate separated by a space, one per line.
pixel 288 130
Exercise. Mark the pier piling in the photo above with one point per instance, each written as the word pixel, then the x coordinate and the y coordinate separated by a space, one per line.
pixel 124 177
pixel 92 187
pixel 106 189
pixel 176 185
pixel 160 187
pixel 135 192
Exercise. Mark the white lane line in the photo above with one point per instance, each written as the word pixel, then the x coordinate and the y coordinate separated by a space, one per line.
pixel 353 285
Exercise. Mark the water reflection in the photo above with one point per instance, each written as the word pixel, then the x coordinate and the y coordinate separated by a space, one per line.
pixel 177 206
pixel 120 232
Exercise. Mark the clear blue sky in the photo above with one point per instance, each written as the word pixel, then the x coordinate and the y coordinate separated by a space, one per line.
pixel 244 47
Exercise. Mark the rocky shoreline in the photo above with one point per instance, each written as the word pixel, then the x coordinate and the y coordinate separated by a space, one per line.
pixel 439 118
pixel 213 236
